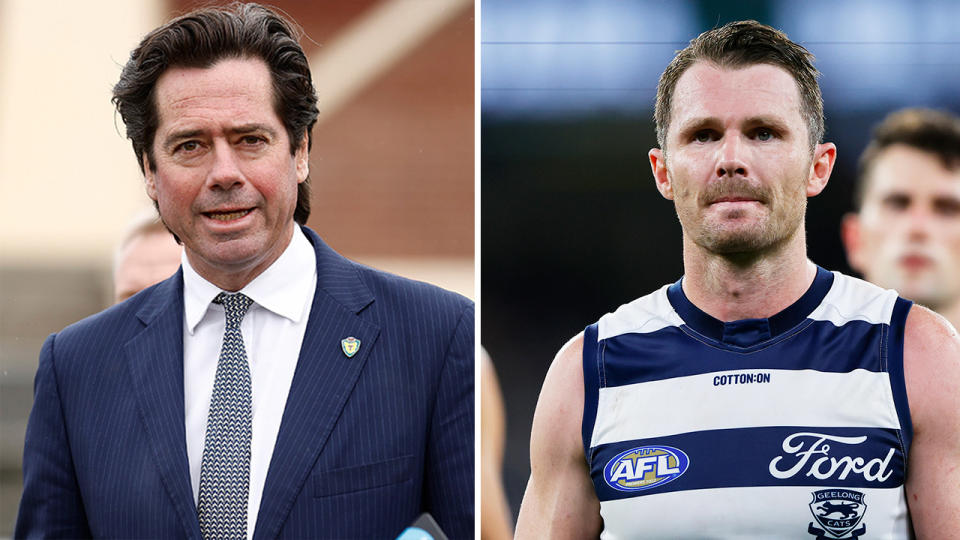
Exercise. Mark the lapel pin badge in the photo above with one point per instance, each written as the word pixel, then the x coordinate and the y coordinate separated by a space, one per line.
pixel 350 346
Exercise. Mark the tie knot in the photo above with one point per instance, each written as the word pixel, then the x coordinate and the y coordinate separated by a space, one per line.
pixel 235 306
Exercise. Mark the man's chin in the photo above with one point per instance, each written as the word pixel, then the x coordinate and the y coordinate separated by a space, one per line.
pixel 734 242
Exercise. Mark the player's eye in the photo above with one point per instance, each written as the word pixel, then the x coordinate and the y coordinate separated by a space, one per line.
pixel 764 134
pixel 703 136
pixel 896 202
pixel 947 207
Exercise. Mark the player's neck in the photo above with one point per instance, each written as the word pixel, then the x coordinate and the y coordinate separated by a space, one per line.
pixel 731 288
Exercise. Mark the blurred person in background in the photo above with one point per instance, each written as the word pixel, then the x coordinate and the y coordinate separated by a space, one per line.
pixel 760 395
pixel 147 254
pixel 905 231
pixel 271 388
pixel 495 520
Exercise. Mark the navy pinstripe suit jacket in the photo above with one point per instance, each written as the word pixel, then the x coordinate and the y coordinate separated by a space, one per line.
pixel 365 444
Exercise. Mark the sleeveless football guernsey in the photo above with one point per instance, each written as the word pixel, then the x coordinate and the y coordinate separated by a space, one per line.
pixel 795 426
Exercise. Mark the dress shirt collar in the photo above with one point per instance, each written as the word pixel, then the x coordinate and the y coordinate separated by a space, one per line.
pixel 283 288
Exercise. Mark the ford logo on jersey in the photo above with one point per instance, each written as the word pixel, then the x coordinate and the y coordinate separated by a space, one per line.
pixel 645 467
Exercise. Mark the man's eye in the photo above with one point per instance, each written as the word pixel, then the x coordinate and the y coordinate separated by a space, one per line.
pixel 896 202
pixel 703 136
pixel 764 134
pixel 188 146
pixel 251 139
pixel 947 207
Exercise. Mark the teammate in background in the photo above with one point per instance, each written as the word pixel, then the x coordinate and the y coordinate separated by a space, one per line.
pixel 494 511
pixel 760 395
pixel 148 254
pixel 905 233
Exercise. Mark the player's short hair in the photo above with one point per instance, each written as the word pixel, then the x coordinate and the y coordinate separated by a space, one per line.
pixel 936 132
pixel 741 44
pixel 201 38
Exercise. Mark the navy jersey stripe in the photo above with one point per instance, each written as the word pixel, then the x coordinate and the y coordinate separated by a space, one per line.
pixel 894 350
pixel 591 384
pixel 672 352
pixel 749 332
pixel 742 458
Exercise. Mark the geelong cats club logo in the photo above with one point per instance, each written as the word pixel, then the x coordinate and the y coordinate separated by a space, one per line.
pixel 838 512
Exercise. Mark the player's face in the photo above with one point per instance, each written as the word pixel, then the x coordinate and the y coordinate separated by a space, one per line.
pixel 738 163
pixel 225 180
pixel 908 231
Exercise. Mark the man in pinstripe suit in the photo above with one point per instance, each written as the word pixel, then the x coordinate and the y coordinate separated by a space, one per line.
pixel 355 404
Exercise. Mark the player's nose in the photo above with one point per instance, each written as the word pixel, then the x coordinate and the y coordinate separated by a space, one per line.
pixel 730 161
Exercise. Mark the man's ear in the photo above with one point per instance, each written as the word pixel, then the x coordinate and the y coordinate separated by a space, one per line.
pixel 852 243
pixel 149 178
pixel 824 157
pixel 658 164
pixel 302 158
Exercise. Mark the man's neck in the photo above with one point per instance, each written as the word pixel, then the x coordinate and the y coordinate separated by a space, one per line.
pixel 234 277
pixel 731 288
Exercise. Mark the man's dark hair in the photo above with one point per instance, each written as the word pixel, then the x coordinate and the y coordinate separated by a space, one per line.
pixel 741 44
pixel 200 39
pixel 936 132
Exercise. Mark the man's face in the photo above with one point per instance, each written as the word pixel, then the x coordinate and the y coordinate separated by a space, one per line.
pixel 225 181
pixel 907 236
pixel 738 164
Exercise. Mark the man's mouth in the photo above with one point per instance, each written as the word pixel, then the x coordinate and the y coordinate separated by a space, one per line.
pixel 915 261
pixel 228 216
pixel 734 199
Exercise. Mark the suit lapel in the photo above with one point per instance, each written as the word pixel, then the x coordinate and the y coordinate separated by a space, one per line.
pixel 155 361
pixel 324 378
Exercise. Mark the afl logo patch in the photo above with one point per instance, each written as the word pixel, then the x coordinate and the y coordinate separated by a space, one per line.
pixel 645 467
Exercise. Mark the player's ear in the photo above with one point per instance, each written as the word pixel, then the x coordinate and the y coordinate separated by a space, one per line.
pixel 823 159
pixel 149 178
pixel 850 234
pixel 658 164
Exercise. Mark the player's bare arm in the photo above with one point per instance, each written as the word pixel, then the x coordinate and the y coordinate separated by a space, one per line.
pixel 560 501
pixel 932 373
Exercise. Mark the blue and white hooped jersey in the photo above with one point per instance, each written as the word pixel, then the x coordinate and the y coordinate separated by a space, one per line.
pixel 795 426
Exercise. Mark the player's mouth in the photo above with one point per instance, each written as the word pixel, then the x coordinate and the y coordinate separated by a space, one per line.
pixel 227 215
pixel 916 262
pixel 733 201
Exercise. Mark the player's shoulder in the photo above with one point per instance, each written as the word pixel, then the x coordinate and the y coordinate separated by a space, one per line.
pixel 568 360
pixel 853 299
pixel 931 364
pixel 560 406
pixel 648 313
pixel 929 336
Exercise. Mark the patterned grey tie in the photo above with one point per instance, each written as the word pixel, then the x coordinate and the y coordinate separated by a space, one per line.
pixel 225 469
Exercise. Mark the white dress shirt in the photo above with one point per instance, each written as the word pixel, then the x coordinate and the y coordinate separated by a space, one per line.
pixel 272 331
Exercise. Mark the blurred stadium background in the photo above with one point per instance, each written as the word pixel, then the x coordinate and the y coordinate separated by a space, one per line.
pixel 572 225
pixel 392 166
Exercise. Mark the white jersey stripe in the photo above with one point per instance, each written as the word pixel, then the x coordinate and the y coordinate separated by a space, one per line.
pixel 644 315
pixel 855 300
pixel 860 398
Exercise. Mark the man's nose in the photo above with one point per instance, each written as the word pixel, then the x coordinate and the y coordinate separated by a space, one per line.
pixel 731 162
pixel 225 172
pixel 919 221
